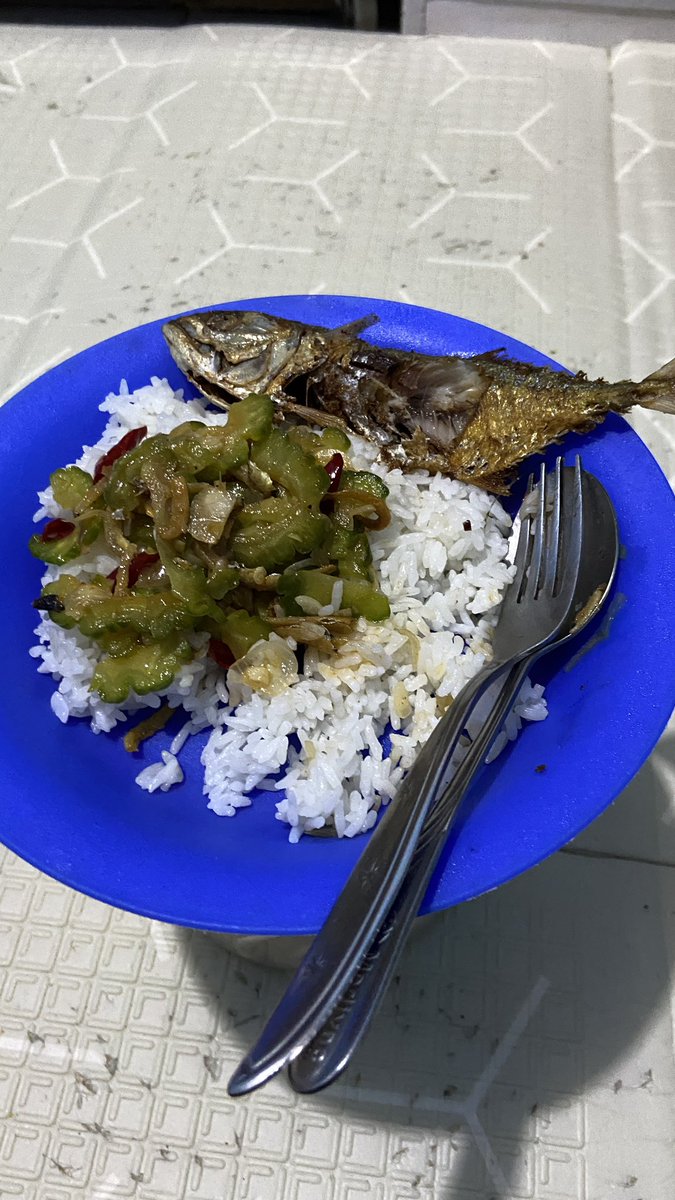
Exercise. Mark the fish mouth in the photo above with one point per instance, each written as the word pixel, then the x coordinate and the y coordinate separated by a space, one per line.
pixel 178 342
pixel 168 331
pixel 196 360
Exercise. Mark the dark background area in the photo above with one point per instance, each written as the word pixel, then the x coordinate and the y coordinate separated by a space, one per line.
pixel 362 14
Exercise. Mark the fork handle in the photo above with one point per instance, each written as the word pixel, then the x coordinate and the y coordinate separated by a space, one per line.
pixel 327 1055
pixel 334 956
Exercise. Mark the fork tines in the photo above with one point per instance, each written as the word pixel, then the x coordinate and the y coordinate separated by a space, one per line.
pixel 542 536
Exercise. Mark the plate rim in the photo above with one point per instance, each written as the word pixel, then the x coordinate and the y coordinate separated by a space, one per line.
pixel 437 902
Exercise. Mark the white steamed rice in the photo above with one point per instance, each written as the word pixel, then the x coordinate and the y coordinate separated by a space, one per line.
pixel 443 563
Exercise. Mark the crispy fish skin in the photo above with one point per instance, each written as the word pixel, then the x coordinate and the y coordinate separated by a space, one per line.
pixel 475 418
pixel 525 409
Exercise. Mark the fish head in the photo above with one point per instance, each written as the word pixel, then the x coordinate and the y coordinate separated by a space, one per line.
pixel 229 354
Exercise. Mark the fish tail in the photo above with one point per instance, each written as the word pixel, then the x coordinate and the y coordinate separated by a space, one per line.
pixel 660 389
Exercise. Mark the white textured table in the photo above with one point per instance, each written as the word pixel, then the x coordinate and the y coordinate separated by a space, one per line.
pixel 526 185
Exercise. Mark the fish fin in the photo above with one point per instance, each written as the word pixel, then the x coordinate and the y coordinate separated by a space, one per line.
pixel 667 371
pixel 354 327
pixel 662 397
pixel 664 404
pixel 314 415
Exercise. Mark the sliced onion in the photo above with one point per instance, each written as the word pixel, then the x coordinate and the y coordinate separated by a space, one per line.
pixel 170 500
pixel 371 510
pixel 209 512
pixel 310 631
pixel 258 579
pixel 269 667
pixel 253 477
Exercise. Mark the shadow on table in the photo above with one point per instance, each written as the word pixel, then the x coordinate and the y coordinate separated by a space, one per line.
pixel 504 1013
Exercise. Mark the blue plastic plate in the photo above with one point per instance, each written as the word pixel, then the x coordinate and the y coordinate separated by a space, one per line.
pixel 68 802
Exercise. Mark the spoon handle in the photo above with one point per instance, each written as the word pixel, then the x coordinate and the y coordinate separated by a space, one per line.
pixel 329 1052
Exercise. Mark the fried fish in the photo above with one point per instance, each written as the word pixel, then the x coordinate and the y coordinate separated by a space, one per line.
pixel 475 418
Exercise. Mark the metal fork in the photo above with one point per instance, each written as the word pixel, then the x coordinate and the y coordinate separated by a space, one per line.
pixel 324 1059
pixel 534 609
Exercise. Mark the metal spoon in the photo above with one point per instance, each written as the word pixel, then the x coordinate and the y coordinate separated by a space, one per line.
pixel 534 609
pixel 327 1055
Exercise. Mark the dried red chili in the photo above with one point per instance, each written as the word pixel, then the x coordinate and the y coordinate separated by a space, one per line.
pixel 56 529
pixel 333 469
pixel 221 654
pixel 138 563
pixel 129 442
